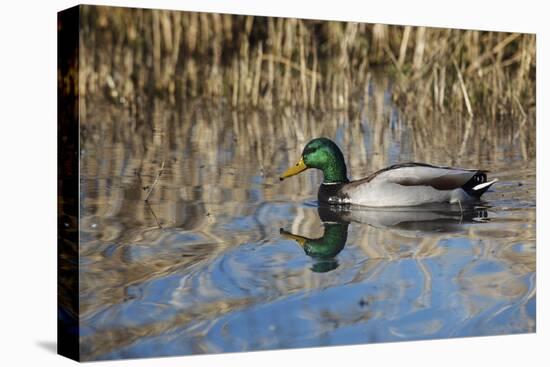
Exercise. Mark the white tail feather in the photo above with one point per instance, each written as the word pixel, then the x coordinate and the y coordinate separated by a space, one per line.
pixel 483 185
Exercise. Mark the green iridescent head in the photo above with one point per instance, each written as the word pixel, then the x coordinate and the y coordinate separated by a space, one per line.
pixel 323 154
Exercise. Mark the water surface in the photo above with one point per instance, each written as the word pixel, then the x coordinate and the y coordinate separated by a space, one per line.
pixel 224 257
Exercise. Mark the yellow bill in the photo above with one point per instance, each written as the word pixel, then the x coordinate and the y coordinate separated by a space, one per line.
pixel 301 240
pixel 294 170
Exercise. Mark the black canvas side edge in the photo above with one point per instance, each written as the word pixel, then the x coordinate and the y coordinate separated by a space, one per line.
pixel 68 329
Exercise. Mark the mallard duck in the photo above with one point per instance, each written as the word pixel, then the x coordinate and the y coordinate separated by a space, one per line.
pixel 405 184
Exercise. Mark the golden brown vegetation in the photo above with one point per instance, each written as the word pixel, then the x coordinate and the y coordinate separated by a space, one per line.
pixel 134 54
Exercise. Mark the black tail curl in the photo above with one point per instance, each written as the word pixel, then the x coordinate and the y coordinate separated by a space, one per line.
pixel 479 178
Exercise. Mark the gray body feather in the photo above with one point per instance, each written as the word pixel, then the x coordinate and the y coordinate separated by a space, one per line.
pixel 411 184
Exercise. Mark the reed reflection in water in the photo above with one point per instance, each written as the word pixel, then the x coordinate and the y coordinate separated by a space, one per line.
pixel 203 267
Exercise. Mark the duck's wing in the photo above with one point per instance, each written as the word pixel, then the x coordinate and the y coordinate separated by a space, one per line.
pixel 422 174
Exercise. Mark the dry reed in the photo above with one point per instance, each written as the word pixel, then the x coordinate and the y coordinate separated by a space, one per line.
pixel 131 55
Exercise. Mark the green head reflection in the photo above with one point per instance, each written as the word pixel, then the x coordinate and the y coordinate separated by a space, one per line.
pixel 323 250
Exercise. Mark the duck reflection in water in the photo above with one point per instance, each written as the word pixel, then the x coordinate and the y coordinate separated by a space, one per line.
pixel 324 249
pixel 412 222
